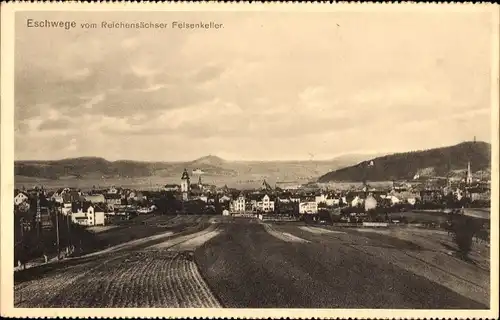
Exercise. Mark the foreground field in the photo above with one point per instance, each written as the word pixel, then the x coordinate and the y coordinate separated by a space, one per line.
pixel 251 266
pixel 241 263
pixel 155 272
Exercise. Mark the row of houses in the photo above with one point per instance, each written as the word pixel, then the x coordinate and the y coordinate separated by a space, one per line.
pixel 113 197
pixel 311 203
pixel 82 212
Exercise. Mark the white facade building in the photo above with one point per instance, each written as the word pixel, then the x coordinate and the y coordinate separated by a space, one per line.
pixel 308 207
pixel 238 204
pixel 357 201
pixel 370 203
pixel 92 216
pixel 20 198
pixel 265 205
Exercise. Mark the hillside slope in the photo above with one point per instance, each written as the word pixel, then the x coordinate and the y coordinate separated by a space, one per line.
pixel 434 162
pixel 93 167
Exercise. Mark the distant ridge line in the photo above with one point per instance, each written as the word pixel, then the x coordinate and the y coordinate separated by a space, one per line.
pixel 404 165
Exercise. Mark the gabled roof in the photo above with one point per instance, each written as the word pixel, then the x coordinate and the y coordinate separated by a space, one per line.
pixel 308 198
pixel 255 196
pixel 99 208
pixel 266 186
pixel 17 192
pixel 87 205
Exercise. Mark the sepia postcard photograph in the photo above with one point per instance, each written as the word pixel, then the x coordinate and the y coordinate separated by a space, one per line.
pixel 236 160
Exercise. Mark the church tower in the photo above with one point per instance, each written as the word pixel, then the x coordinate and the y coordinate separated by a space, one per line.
pixel 200 184
pixel 185 185
pixel 469 174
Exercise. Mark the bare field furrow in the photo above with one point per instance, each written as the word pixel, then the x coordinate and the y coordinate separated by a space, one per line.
pixel 158 284
pixel 134 287
pixel 180 282
pixel 204 298
pixel 166 287
pixel 111 291
pixel 174 282
pixel 211 301
pixel 154 278
pixel 192 295
pixel 39 292
pixel 118 287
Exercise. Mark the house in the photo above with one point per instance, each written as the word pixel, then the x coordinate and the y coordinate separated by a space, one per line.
pixel 320 198
pixel 284 200
pixel 130 195
pixel 370 203
pixel 251 201
pixel 203 198
pixel 66 208
pixel 72 196
pixel 403 196
pixel 287 197
pixel 20 197
pixel 327 199
pixel 113 200
pixel 113 190
pixel 95 198
pixel 265 204
pixel 357 201
pixel 431 195
pixel 58 195
pixel 238 204
pixel 87 214
pixel 224 199
pixel 171 187
pixel 479 194
pixel 139 196
pixel 394 199
pixel 308 207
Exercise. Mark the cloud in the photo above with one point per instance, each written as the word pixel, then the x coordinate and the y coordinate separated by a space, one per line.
pixel 56 124
pixel 253 85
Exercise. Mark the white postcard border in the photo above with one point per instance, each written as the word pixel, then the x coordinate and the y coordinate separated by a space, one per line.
pixel 7 170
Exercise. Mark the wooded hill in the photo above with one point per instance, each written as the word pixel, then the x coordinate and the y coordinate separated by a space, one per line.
pixel 433 162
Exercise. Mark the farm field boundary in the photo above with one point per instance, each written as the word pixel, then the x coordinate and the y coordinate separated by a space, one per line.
pixel 284 236
pixel 317 230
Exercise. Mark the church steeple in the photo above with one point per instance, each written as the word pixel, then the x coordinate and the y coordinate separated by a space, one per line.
pixel 185 185
pixel 185 175
pixel 469 174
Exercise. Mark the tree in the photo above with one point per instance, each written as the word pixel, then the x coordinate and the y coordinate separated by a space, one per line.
pixel 464 229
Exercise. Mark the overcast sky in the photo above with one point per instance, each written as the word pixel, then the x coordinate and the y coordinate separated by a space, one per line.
pixel 267 86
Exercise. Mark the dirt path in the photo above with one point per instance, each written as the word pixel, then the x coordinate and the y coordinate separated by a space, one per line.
pixel 192 240
pixel 130 244
pixel 193 243
pixel 316 230
pixel 283 236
